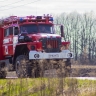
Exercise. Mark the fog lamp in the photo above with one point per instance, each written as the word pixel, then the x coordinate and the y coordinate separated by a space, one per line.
pixel 69 55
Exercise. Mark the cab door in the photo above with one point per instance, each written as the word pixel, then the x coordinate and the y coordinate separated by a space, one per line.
pixel 15 37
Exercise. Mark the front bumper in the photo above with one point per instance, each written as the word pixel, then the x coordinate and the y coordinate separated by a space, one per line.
pixel 65 54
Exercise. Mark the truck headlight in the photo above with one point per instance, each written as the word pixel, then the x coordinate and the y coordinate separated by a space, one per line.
pixel 33 47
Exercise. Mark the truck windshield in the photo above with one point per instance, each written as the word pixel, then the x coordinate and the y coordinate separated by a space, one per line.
pixel 46 29
pixel 29 28
pixel 41 28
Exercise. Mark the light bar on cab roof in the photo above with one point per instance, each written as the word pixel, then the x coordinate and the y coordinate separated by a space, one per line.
pixel 11 19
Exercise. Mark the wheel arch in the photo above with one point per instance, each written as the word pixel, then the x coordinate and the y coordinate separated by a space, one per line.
pixel 20 50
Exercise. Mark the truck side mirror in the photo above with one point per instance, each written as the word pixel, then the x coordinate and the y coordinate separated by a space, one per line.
pixel 62 31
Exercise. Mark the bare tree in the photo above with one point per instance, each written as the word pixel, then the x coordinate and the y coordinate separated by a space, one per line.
pixel 80 31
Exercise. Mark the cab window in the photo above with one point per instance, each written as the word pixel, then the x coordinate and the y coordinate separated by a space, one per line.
pixel 6 32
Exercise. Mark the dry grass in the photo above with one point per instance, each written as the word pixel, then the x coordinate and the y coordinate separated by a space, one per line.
pixel 47 87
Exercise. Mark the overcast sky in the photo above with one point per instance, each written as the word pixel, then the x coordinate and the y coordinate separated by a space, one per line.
pixel 40 7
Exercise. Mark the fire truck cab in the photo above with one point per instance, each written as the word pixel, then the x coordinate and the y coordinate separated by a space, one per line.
pixel 31 39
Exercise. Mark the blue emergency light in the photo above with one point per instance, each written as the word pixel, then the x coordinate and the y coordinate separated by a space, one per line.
pixel 21 19
pixel 51 19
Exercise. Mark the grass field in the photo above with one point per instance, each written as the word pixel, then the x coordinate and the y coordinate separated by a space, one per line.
pixel 47 87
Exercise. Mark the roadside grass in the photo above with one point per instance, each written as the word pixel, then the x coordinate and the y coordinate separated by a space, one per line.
pixel 47 87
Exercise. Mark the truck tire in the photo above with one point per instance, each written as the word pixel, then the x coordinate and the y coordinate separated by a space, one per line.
pixel 3 74
pixel 22 66
pixel 3 71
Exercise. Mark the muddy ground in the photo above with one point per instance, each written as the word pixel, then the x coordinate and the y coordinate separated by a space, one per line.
pixel 83 71
pixel 77 71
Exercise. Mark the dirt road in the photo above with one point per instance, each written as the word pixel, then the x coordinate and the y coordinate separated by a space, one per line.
pixel 83 71
pixel 77 71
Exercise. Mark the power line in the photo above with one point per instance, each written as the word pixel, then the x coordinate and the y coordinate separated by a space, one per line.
pixel 20 5
pixel 11 3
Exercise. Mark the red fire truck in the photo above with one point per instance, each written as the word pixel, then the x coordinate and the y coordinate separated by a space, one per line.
pixel 32 46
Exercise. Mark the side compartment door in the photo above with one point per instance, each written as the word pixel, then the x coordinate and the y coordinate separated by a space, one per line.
pixel 8 41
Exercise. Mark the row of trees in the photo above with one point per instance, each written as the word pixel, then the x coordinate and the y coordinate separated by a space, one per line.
pixel 80 30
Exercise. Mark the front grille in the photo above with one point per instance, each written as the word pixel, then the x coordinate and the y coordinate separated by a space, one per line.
pixel 52 43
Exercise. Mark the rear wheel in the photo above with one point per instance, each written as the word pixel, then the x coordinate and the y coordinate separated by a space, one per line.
pixel 23 68
pixel 3 71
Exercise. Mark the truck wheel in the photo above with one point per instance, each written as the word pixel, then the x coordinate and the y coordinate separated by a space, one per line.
pixel 3 74
pixel 22 66
pixel 3 71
